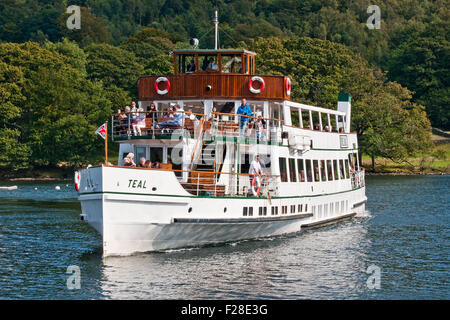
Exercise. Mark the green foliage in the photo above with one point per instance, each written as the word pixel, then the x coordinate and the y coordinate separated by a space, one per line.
pixel 113 66
pixel 42 95
pixel 387 122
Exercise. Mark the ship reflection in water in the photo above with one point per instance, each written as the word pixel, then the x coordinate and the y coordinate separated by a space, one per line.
pixel 326 263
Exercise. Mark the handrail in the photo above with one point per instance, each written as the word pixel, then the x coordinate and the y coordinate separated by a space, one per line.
pixel 192 171
pixel 196 144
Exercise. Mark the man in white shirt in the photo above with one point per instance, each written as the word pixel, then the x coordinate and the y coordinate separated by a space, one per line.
pixel 255 167
pixel 255 171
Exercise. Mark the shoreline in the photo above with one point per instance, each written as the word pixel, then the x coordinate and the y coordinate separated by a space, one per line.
pixel 21 179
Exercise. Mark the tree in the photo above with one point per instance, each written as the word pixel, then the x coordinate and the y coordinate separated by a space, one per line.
pixel 113 66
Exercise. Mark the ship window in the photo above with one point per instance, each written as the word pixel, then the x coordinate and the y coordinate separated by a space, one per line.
pixel 244 211
pixel 208 62
pixel 231 63
pixel 308 170
pixel 175 157
pixel 355 161
pixel 323 174
pixel 336 174
pixel 186 63
pixel 250 211
pixel 315 120
pixel 329 170
pixel 141 152
pixel 341 167
pixel 325 209
pixel 265 211
pixel 306 207
pixel 295 117
pixel 316 170
pixel 246 63
pixel 274 211
pixel 300 208
pixel 346 169
pixel 156 154
pixel 292 173
pixel 260 211
pixel 283 172
pixel 305 119
pixel 293 208
pixel 301 170
pixel 331 208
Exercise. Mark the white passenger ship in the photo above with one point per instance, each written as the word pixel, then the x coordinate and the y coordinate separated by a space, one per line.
pixel 202 193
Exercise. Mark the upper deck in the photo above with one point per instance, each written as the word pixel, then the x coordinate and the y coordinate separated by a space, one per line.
pixel 202 74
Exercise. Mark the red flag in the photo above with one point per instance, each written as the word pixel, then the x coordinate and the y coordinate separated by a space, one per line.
pixel 102 131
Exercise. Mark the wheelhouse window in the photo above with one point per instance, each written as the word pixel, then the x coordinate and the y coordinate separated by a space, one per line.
pixel 292 174
pixel 208 62
pixel 309 170
pixel 231 63
pixel 186 63
pixel 283 170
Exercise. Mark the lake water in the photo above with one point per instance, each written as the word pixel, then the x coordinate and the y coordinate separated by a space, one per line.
pixel 406 237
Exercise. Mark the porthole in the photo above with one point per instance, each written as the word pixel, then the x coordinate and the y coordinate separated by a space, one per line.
pixel 154 189
pixel 225 209
pixel 190 210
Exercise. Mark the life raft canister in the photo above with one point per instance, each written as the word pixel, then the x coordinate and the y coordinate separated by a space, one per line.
pixel 287 85
pixel 261 87
pixel 162 79
pixel 77 180
pixel 256 181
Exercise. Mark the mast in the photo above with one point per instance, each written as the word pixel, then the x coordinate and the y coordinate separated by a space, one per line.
pixel 216 23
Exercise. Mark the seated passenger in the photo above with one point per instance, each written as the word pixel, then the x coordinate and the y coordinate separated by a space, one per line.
pixel 128 160
pixel 148 164
pixel 191 66
pixel 141 162
pixel 156 165
pixel 176 121
pixel 212 66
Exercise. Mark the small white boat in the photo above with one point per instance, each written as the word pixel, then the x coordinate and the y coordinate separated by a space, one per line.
pixel 9 188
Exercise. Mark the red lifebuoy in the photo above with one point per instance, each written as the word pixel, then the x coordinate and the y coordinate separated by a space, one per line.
pixel 77 180
pixel 261 88
pixel 287 85
pixel 162 79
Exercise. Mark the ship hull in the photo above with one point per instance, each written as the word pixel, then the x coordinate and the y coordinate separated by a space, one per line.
pixel 132 221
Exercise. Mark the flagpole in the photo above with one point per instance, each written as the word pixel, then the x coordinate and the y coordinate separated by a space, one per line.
pixel 106 143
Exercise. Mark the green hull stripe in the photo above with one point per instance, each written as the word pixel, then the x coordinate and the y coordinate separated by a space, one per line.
pixel 224 197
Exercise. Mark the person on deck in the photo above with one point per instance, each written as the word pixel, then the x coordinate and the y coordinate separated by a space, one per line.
pixel 141 162
pixel 177 120
pixel 128 160
pixel 243 109
pixel 191 67
pixel 254 172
